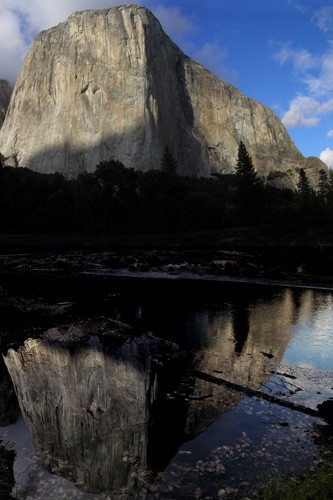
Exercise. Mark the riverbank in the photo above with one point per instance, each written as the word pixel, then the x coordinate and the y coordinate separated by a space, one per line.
pixel 282 266
pixel 210 278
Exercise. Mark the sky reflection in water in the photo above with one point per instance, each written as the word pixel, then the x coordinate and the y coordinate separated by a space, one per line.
pixel 312 333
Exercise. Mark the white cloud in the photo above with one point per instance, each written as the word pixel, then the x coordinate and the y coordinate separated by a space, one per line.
pixel 284 54
pixel 12 43
pixel 180 28
pixel 326 107
pixel 174 23
pixel 213 56
pixel 327 157
pixel 300 7
pixel 316 75
pixel 322 84
pixel 304 60
pixel 41 14
pixel 323 18
pixel 301 59
pixel 330 133
pixel 303 111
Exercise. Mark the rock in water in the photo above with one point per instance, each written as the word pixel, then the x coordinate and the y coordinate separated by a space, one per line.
pixel 5 93
pixel 111 84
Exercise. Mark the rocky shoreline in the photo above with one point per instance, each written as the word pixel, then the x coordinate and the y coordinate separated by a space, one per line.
pixel 216 266
pixel 211 278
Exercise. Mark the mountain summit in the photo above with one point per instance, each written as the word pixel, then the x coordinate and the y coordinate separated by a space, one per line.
pixel 111 84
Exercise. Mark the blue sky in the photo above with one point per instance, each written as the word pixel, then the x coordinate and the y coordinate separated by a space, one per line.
pixel 278 52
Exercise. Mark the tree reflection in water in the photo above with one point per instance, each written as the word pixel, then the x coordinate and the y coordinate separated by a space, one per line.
pixel 241 325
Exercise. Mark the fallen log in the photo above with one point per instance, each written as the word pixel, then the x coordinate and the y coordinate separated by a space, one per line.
pixel 248 391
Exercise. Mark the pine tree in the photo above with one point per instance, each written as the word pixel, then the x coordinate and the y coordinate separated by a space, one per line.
pixel 251 191
pixel 168 163
pixel 330 190
pixel 303 185
pixel 323 187
pixel 306 194
pixel 2 160
pixel 245 170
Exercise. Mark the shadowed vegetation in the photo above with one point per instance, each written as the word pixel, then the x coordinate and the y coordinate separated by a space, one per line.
pixel 117 200
pixel 7 480
pixel 312 485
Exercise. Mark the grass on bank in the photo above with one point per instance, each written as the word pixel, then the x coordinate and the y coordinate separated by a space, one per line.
pixel 315 484
pixel 6 472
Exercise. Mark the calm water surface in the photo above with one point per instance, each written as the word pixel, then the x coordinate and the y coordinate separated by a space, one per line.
pixel 105 419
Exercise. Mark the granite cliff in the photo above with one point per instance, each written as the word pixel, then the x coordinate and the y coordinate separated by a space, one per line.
pixel 111 84
pixel 5 93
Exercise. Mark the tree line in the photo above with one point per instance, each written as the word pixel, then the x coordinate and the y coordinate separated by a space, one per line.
pixel 114 199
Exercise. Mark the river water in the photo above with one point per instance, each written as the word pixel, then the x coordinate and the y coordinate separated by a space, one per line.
pixel 129 419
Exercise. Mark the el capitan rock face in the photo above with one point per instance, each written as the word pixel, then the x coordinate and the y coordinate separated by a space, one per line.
pixel 111 84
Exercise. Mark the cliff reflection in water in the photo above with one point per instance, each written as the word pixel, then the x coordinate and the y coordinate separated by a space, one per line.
pixel 87 407
pixel 101 414
pixel 244 345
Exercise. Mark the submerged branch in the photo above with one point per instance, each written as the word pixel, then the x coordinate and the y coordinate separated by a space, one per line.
pixel 253 392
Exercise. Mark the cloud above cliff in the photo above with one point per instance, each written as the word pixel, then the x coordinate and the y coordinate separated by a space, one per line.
pixel 315 72
pixel 301 59
pixel 305 111
pixel 309 60
pixel 327 157
pixel 36 15
pixel 215 57
pixel 12 45
pixel 174 23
